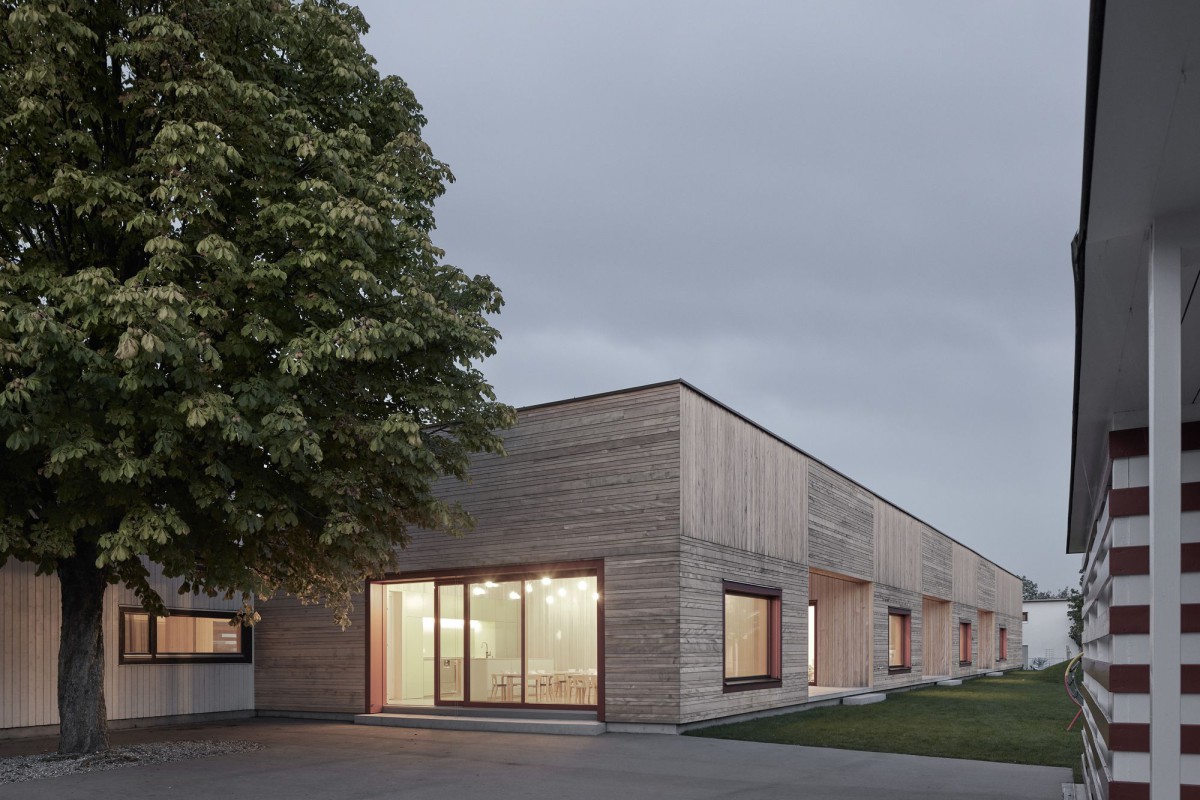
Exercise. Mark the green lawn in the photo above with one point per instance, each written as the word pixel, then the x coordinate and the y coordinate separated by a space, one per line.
pixel 1021 718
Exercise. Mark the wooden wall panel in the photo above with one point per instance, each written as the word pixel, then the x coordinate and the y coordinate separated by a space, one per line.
pixel 898 548
pixel 840 524
pixel 703 567
pixel 1008 595
pixel 959 613
pixel 596 478
pixel 987 635
pixel 304 662
pixel 985 584
pixel 843 635
pixel 892 597
pixel 29 627
pixel 965 575
pixel 936 638
pixel 739 486
pixel 937 558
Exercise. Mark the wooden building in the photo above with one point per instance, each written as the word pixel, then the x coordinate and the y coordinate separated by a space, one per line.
pixel 190 665
pixel 1135 475
pixel 658 559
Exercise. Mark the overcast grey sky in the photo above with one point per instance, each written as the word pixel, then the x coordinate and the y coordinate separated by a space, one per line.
pixel 850 221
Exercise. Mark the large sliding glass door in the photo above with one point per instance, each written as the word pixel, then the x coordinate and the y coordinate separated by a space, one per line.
pixel 496 642
pixel 517 638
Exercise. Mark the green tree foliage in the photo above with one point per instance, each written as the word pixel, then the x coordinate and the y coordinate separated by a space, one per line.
pixel 227 342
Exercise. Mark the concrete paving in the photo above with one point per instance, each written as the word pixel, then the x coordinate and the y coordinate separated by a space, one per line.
pixel 306 760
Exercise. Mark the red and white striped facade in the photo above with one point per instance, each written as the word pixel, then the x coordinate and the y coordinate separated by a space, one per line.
pixel 1118 599
pixel 1135 472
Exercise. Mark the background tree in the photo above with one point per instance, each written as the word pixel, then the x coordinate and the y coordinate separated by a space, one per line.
pixel 1029 589
pixel 227 343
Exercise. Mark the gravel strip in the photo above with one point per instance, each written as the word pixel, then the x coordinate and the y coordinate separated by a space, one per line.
pixel 52 765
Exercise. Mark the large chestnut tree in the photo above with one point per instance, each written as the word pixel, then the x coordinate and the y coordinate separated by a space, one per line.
pixel 227 342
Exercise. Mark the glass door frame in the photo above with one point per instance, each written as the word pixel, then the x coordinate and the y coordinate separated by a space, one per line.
pixel 464 577
pixel 465 675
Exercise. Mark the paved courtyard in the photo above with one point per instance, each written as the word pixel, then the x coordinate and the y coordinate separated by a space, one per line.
pixel 306 760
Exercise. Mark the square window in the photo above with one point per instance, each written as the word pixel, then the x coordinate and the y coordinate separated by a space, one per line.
pixel 899 640
pixel 182 637
pixel 752 625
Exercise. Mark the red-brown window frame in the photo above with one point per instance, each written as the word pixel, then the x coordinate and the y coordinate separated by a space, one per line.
pixel 964 626
pixel 374 664
pixel 774 637
pixel 244 657
pixel 1003 656
pixel 905 664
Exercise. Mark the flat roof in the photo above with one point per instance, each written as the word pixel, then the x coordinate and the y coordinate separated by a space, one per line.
pixel 768 432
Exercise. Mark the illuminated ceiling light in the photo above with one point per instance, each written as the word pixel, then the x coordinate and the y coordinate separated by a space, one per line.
pixel 528 587
pixel 478 590
pixel 514 596
pixel 562 592
pixel 550 599
pixel 595 595
pixel 545 581
pixel 583 586
pixel 489 584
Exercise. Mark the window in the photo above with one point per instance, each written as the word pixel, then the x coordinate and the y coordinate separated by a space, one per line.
pixel 752 637
pixel 899 640
pixel 964 644
pixel 1024 616
pixel 1003 645
pixel 184 637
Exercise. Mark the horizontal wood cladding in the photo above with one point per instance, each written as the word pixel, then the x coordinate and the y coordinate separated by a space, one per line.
pixel 887 597
pixel 937 558
pixel 739 486
pixel 985 584
pixel 704 566
pixel 841 524
pixel 898 547
pixel 29 629
pixel 304 662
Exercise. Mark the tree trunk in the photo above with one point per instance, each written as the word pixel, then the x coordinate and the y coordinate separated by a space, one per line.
pixel 83 718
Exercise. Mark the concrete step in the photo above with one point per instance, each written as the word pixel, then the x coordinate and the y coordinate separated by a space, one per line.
pixel 864 699
pixel 951 682
pixel 560 727
pixel 502 713
pixel 994 675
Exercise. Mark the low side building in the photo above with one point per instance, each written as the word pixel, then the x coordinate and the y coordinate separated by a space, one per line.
pixel 1046 632
pixel 190 665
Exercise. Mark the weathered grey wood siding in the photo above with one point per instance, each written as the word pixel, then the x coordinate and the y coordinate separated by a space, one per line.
pixel 892 597
pixel 739 486
pixel 596 478
pixel 30 617
pixel 898 548
pixel 962 612
pixel 840 525
pixel 937 554
pixel 704 565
